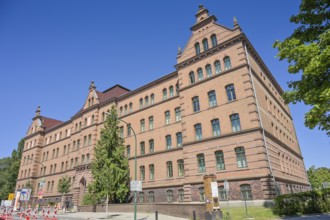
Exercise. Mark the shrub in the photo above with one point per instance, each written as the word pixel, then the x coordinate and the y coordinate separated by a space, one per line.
pixel 317 201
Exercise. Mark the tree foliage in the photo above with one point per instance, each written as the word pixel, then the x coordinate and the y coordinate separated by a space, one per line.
pixel 317 176
pixel 308 52
pixel 64 185
pixel 110 168
pixel 9 167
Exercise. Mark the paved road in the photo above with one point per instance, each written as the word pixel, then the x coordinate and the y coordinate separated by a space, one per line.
pixel 149 216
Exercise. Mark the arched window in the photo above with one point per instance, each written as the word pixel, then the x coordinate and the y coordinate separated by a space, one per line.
pixel 151 196
pixel 171 91
pixel 208 70
pixel 220 161
pixel 152 99
pixel 201 194
pixel 125 111
pixel 226 60
pixel 130 107
pixel 169 195
pixel 205 44
pixel 121 111
pixel 197 48
pixel 192 77
pixel 103 116
pixel 240 157
pixel 92 120
pixel 146 101
pixel 246 193
pixel 200 73
pixel 217 67
pixel 235 122
pixel 164 94
pixel 141 197
pixel 141 103
pixel 214 40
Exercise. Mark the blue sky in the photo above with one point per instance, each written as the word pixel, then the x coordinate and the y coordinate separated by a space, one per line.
pixel 51 50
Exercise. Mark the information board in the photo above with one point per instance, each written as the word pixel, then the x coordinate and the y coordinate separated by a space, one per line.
pixel 136 185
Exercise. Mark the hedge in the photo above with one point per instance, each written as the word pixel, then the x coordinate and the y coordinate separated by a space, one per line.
pixel 317 201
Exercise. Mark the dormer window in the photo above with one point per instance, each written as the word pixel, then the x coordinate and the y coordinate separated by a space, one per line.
pixel 197 48
pixel 205 44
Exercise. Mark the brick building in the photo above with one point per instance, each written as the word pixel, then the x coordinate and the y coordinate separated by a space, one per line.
pixel 220 112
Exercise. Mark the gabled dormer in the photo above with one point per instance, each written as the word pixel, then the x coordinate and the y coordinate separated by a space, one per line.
pixel 206 35
pixel 92 98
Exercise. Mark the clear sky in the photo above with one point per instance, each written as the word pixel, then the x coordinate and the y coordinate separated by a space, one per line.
pixel 51 50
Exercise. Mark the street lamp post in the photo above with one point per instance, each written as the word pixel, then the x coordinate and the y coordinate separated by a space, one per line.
pixel 135 163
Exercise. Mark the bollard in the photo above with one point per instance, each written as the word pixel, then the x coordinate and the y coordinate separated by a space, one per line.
pixel 194 215
pixel 156 215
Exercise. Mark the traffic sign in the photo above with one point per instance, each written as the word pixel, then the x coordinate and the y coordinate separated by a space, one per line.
pixel 136 185
pixel 11 196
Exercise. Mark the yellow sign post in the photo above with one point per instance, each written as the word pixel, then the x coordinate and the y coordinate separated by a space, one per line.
pixel 11 196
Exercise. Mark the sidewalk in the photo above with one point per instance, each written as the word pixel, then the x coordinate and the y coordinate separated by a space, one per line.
pixel 115 216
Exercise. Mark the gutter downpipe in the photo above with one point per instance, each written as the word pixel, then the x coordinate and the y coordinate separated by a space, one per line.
pixel 260 119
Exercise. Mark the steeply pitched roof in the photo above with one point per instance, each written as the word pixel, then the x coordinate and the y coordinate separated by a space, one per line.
pixel 112 92
pixel 49 122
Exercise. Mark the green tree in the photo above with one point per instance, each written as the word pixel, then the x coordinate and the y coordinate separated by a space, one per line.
pixel 317 176
pixel 63 187
pixel 9 167
pixel 110 167
pixel 308 52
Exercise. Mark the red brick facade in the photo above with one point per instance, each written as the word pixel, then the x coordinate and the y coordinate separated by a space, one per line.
pixel 240 129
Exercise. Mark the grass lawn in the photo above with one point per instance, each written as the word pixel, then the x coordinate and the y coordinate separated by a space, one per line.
pixel 258 213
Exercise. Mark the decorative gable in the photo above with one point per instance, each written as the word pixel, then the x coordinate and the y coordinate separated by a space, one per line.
pixel 92 97
pixel 206 33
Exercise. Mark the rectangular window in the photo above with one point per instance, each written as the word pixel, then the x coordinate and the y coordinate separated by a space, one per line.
pixel 240 157
pixel 222 193
pixel 181 195
pixel 212 98
pixel 142 173
pixel 180 167
pixel 151 145
pixel 201 163
pixel 151 171
pixel 179 139
pixel 168 142
pixel 142 148
pixel 142 125
pixel 121 132
pixel 89 140
pixel 201 194
pixel 151 122
pixel 167 117
pixel 195 102
pixel 177 114
pixel 220 160
pixel 128 129
pixel 215 127
pixel 169 169
pixel 128 151
pixel 235 123
pixel 198 132
pixel 230 90
pixel 85 141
